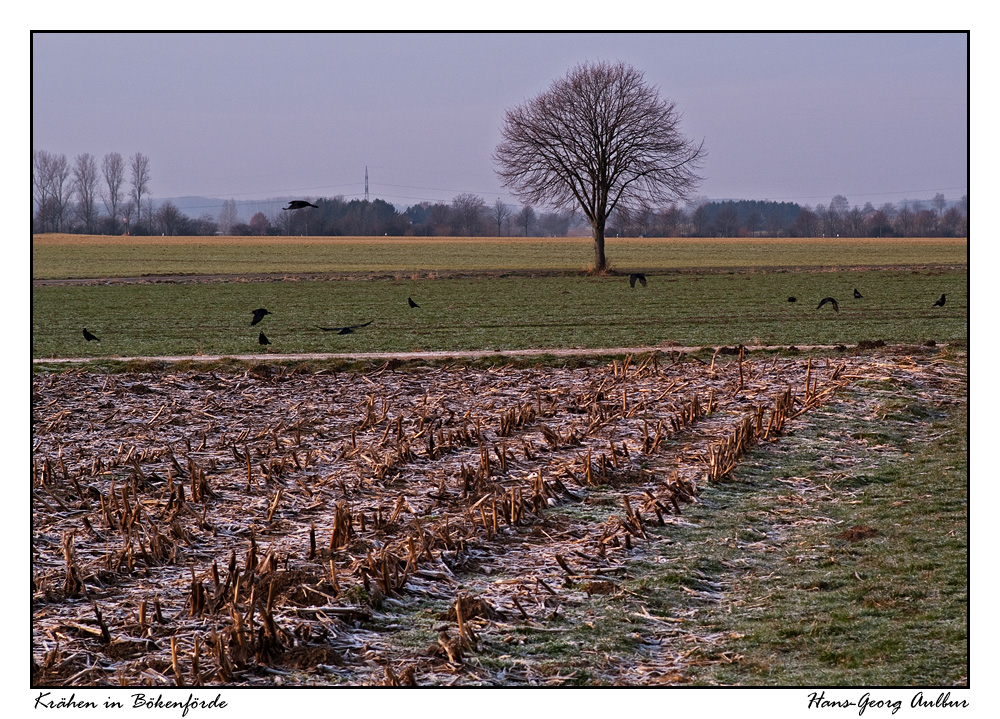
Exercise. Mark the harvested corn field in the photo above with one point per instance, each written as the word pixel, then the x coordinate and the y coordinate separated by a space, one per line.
pixel 258 527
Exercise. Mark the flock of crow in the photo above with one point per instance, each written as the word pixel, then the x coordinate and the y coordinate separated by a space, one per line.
pixel 260 312
pixel 858 296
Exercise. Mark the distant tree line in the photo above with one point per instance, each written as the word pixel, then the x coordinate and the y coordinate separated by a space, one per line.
pixel 113 197
pixel 754 218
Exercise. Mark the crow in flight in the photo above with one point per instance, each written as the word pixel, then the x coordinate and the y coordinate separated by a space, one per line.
pixel 411 303
pixel 299 204
pixel 87 336
pixel 636 276
pixel 345 330
pixel 939 303
pixel 263 340
pixel 792 299
pixel 258 315
pixel 836 307
pixel 858 295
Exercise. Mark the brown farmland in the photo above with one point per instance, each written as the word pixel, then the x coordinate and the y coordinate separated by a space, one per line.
pixel 251 528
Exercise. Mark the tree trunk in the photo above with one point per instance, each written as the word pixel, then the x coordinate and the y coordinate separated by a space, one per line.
pixel 600 261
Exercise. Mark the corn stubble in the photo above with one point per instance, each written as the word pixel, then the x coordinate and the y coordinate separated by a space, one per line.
pixel 253 528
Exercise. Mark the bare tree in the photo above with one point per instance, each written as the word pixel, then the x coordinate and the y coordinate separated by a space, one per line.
pixel 953 224
pixel 727 222
pixel 669 220
pixel 51 190
pixel 939 203
pixel 555 224
pixel 880 221
pixel 61 190
pixel 148 209
pixel 500 214
pixel 139 165
pixel 833 217
pixel 439 217
pixel 85 186
pixel 259 224
pixel 113 169
pixel 40 186
pixel 854 222
pixel 599 139
pixel 227 217
pixel 468 211
pixel 205 225
pixel 634 221
pixel 169 219
pixel 903 222
pixel 839 205
pixel 129 213
pixel 806 224
pixel 525 218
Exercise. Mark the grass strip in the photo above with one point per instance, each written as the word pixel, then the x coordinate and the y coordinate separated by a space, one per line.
pixel 840 553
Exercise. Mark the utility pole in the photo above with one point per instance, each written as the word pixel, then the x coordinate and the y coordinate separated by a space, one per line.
pixel 366 183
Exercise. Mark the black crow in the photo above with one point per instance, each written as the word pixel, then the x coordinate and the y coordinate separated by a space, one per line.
pixel 87 336
pixel 792 299
pixel 858 295
pixel 411 303
pixel 939 303
pixel 345 330
pixel 258 315
pixel 299 204
pixel 836 307
pixel 636 276
pixel 263 340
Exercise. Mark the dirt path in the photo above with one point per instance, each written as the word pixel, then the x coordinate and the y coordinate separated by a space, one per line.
pixel 386 356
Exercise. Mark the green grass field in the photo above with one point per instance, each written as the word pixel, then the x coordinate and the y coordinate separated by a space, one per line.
pixel 492 311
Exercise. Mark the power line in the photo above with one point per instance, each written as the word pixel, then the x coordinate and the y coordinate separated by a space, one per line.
pixel 867 194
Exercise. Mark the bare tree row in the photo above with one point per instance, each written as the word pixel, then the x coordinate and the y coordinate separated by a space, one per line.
pixel 63 194
pixel 113 197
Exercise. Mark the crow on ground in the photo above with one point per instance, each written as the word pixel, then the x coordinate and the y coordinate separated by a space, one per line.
pixel 858 295
pixel 411 303
pixel 298 205
pixel 261 339
pixel 258 315
pixel 792 299
pixel 836 307
pixel 940 302
pixel 345 330
pixel 636 276
pixel 87 336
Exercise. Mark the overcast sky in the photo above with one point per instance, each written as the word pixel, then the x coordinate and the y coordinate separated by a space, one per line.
pixel 790 117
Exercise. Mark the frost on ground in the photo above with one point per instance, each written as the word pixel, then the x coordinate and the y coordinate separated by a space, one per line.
pixel 274 526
